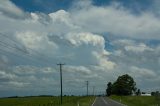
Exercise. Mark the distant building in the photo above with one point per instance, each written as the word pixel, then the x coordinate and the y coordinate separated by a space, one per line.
pixel 146 94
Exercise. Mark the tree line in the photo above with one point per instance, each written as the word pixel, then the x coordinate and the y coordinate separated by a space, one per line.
pixel 124 85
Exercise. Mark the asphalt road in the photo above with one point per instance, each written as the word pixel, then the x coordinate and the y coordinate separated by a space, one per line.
pixel 102 101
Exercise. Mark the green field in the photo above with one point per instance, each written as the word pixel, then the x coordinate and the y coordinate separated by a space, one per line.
pixel 138 100
pixel 47 101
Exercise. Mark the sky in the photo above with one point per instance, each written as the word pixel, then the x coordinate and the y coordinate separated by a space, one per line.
pixel 98 40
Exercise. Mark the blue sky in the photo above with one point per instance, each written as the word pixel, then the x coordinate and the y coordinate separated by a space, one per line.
pixel 48 6
pixel 97 40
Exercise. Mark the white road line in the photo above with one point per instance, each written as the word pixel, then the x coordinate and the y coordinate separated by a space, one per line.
pixel 77 103
pixel 105 101
pixel 117 102
pixel 94 101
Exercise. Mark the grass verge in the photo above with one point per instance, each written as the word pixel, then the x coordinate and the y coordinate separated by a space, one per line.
pixel 137 100
pixel 47 101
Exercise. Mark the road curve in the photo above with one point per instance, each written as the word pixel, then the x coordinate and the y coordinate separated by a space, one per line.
pixel 101 101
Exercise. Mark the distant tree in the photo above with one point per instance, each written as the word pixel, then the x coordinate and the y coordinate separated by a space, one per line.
pixel 143 92
pixel 138 92
pixel 157 93
pixel 109 89
pixel 153 93
pixel 124 85
pixel 157 97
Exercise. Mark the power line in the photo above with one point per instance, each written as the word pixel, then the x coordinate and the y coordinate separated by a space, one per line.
pixel 22 50
pixel 6 44
pixel 18 50
pixel 34 51
pixel 25 51
pixel 22 55
pixel 60 65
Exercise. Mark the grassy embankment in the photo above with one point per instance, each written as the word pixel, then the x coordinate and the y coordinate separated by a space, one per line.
pixel 47 101
pixel 138 100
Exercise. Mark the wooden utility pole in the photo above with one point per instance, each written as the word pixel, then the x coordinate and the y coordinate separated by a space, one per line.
pixel 87 87
pixel 93 90
pixel 60 65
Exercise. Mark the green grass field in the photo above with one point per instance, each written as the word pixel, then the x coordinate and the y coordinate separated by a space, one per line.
pixel 138 100
pixel 47 101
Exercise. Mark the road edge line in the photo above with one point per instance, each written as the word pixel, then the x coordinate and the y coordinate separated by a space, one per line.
pixel 94 101
pixel 117 102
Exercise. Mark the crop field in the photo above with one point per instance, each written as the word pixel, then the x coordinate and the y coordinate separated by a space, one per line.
pixel 138 100
pixel 47 101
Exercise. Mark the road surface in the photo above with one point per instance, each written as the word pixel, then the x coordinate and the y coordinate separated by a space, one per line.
pixel 102 101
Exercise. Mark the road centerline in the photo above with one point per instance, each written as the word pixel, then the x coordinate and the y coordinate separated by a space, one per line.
pixel 104 101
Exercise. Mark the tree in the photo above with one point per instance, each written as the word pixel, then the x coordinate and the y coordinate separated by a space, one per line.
pixel 153 93
pixel 124 85
pixel 109 89
pixel 138 92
